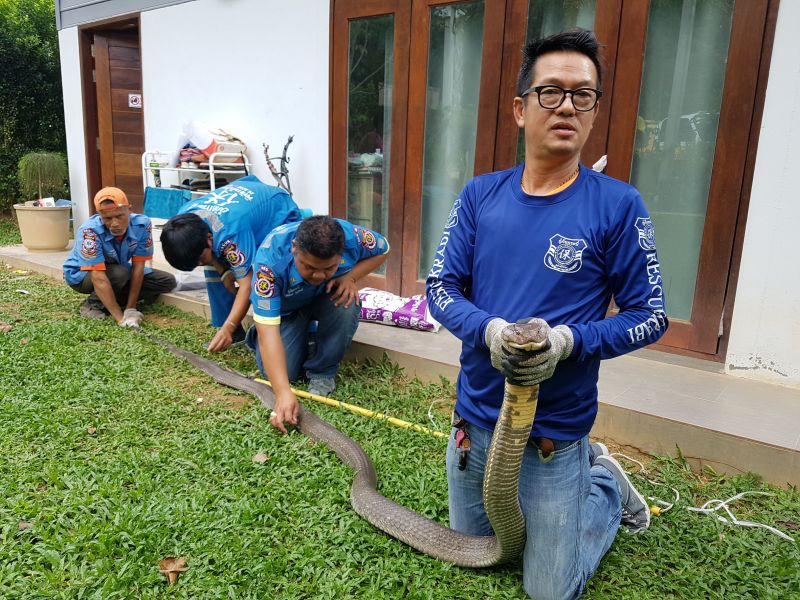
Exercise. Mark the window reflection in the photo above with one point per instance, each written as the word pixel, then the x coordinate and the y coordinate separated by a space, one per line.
pixel 676 132
pixel 369 131
pixel 451 116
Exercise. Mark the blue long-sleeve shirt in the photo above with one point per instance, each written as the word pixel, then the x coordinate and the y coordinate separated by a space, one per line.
pixel 562 257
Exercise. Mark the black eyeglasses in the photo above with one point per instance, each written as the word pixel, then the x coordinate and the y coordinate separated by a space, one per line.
pixel 552 96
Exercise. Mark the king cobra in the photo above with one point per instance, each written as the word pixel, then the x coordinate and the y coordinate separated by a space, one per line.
pixel 501 476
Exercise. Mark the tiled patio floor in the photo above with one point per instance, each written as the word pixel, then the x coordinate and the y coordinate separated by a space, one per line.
pixel 649 400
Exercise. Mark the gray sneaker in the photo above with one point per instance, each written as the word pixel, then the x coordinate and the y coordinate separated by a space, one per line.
pixel 597 449
pixel 92 310
pixel 322 386
pixel 635 511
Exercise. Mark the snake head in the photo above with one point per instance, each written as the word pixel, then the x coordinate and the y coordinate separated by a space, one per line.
pixel 528 334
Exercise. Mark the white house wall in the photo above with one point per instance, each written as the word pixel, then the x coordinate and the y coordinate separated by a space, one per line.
pixel 255 68
pixel 765 332
pixel 73 120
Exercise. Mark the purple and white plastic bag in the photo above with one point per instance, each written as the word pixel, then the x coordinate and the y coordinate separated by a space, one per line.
pixel 378 306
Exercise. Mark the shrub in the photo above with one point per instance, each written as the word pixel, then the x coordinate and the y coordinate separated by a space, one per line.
pixel 42 174
pixel 31 105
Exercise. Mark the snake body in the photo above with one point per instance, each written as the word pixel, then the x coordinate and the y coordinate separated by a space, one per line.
pixel 501 479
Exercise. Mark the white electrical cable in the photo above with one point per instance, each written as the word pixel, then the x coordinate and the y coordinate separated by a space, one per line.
pixel 714 505
pixel 711 506
pixel 430 412
pixel 665 506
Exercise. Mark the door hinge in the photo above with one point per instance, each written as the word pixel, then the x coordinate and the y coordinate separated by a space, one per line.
pixel 91 49
pixel 721 326
pixel 94 76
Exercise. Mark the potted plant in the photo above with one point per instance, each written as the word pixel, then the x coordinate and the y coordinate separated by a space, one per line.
pixel 43 228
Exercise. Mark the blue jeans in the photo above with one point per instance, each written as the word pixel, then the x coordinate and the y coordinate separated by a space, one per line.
pixel 335 330
pixel 572 511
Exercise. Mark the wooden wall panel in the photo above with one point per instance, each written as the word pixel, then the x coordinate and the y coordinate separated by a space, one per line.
pixel 126 78
pixel 121 127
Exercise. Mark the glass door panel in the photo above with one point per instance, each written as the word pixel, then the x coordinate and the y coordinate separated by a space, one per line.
pixel 369 96
pixel 451 116
pixel 676 132
pixel 547 17
pixel 369 119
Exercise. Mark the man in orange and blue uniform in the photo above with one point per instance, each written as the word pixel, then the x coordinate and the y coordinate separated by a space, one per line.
pixel 107 261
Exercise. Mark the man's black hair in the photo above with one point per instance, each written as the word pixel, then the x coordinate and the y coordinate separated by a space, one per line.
pixel 183 239
pixel 321 236
pixel 573 40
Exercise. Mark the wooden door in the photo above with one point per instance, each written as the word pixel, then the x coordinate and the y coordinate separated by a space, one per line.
pixel 120 118
pixel 678 119
pixel 386 109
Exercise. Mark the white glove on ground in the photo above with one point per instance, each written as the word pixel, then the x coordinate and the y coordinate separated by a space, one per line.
pixel 131 318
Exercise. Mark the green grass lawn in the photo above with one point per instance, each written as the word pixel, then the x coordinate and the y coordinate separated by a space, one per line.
pixel 114 455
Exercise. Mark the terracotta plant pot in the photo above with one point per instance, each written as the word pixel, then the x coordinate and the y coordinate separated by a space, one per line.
pixel 43 229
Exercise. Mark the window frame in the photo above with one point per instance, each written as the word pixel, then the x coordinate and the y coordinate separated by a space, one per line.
pixel 701 332
pixel 622 26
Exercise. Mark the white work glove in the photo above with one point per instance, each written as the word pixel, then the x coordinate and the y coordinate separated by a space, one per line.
pixel 526 367
pixel 131 318
pixel 494 339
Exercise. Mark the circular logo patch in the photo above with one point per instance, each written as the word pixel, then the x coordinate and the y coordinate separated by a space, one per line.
pixel 232 254
pixel 264 284
pixel 89 243
pixel 366 238
pixel 647 234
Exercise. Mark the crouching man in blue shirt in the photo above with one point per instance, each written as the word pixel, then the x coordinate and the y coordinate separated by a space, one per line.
pixel 107 261
pixel 305 272
pixel 222 231
pixel 550 239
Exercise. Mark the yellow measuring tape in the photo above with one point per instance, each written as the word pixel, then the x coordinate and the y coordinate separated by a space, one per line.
pixel 364 412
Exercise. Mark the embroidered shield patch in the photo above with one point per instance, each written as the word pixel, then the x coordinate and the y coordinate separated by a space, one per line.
pixel 565 254
pixel 365 237
pixel 647 234
pixel 264 284
pixel 232 254
pixel 89 244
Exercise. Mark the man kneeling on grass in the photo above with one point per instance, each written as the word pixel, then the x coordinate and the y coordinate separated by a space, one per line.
pixel 107 261
pixel 305 272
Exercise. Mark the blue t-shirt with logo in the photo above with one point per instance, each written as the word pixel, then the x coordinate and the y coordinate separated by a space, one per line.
pixel 95 246
pixel 278 289
pixel 240 215
pixel 504 253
